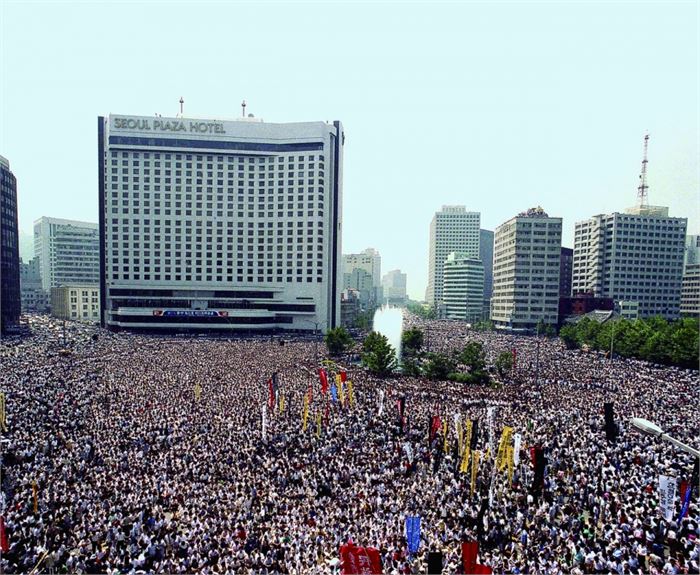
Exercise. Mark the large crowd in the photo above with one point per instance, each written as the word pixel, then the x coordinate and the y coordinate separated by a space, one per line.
pixel 138 454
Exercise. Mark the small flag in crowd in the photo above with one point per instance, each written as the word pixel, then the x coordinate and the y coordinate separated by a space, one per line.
pixel 264 422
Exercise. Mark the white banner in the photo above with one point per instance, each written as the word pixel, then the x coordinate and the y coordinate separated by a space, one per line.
pixel 516 448
pixel 409 452
pixel 667 496
pixel 264 422
pixel 381 401
pixel 490 417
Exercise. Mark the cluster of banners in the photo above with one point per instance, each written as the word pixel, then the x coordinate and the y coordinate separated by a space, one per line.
pixel 667 495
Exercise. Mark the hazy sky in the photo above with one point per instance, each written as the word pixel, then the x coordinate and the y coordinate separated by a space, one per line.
pixel 497 106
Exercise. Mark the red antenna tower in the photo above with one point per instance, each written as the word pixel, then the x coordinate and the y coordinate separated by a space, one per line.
pixel 642 195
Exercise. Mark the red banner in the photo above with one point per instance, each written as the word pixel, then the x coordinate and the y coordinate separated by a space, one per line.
pixel 4 544
pixel 324 381
pixel 271 397
pixel 343 376
pixel 360 560
pixel 470 549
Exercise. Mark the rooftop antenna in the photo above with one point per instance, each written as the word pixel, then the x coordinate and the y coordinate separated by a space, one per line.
pixel 243 106
pixel 182 103
pixel 642 196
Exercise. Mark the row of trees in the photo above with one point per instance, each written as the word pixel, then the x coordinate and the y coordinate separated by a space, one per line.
pixel 653 339
pixel 467 365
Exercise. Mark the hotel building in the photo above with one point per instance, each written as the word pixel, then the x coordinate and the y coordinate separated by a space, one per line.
pixel 219 225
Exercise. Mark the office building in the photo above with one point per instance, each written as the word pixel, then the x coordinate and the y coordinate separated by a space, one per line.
pixel 463 288
pixel 394 287
pixel 527 249
pixel 67 251
pixel 34 298
pixel 486 257
pixel 690 291
pixel 362 272
pixel 10 299
pixel 566 268
pixel 76 302
pixel 452 229
pixel 635 256
pixel 219 224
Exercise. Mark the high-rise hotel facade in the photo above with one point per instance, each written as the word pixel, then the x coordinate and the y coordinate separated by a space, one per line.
pixel 223 225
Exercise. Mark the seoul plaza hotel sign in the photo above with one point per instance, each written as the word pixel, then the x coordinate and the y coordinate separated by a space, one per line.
pixel 167 125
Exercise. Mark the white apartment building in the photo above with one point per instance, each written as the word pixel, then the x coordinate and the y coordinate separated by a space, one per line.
pixel 394 286
pixel 636 256
pixel 526 256
pixel 690 291
pixel 358 270
pixel 219 224
pixel 76 302
pixel 463 288
pixel 452 229
pixel 67 252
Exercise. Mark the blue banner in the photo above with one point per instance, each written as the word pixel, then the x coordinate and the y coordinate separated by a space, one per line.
pixel 413 533
pixel 334 392
pixel 686 504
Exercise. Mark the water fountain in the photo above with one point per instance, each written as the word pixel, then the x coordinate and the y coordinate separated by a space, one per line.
pixel 389 322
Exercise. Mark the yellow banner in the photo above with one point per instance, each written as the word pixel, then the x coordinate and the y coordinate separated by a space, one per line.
pixel 475 470
pixel 445 444
pixel 305 415
pixel 468 438
pixel 341 392
pixel 460 437
pixel 510 464
pixel 351 394
pixel 281 403
pixel 318 424
pixel 502 457
pixel 465 460
pixel 197 391
pixel 3 420
pixel 338 379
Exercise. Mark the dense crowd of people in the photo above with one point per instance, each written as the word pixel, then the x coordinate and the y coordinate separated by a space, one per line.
pixel 136 454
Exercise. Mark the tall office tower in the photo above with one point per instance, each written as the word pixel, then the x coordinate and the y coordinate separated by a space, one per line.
pixel 224 225
pixel 452 229
pixel 690 291
pixel 633 256
pixel 355 266
pixel 463 288
pixel 527 250
pixel 692 250
pixel 10 299
pixel 566 269
pixel 68 252
pixel 394 286
pixel 486 257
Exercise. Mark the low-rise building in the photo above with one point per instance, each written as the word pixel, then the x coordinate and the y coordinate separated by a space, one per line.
pixel 76 302
pixel 34 298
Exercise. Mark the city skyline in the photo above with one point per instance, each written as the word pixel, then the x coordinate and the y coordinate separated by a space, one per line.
pixel 496 107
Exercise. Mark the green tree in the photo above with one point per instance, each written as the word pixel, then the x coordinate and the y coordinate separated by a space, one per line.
pixel 504 363
pixel 337 340
pixel 439 366
pixel 412 341
pixel 473 356
pixel 378 355
pixel 486 325
pixel 569 335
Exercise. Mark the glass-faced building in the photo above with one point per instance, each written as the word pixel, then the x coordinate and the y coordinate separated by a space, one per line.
pixel 10 299
pixel 219 225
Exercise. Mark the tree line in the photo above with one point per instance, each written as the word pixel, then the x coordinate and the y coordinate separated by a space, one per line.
pixel 654 339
